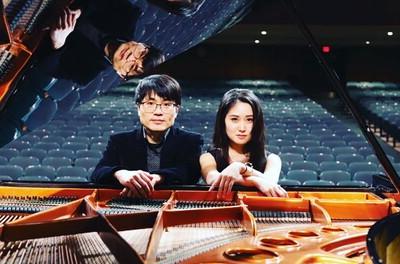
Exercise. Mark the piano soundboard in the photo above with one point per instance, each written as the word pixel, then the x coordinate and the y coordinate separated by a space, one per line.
pixel 98 226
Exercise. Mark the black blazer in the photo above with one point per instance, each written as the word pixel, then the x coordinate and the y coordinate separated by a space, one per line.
pixel 179 160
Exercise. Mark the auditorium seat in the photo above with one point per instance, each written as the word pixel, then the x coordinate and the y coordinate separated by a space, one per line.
pixel 304 165
pixel 57 162
pixel 365 151
pixel 353 183
pixel 358 144
pixel 344 150
pixel 102 146
pixel 67 153
pixel 4 178
pixel 90 134
pixel 70 179
pixel 272 149
pixel 34 179
pixel 335 175
pixel 280 142
pixel 64 133
pixel 71 171
pixel 349 158
pixel 52 138
pixel 13 171
pixel 318 183
pixel 334 143
pixel 362 166
pixel 8 152
pixel 365 176
pixel 307 143
pixel 46 145
pixel 319 157
pixel 302 175
pixel 292 149
pixel 304 137
pixel 74 146
pixel 372 158
pixel 86 163
pixel 3 160
pixel 16 144
pixel 40 170
pixel 38 153
pixel 24 161
pixel 290 157
pixel 289 182
pixel 318 149
pixel 89 153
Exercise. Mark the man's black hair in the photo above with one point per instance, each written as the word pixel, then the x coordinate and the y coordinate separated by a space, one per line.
pixel 162 85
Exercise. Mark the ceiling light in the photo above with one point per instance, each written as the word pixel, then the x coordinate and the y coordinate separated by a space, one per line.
pixel 390 33
pixel 263 32
pixel 256 41
pixel 367 42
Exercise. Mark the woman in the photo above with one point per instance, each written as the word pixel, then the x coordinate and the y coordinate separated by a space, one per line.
pixel 238 155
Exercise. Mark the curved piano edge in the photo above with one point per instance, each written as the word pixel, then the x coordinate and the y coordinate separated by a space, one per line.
pixel 383 240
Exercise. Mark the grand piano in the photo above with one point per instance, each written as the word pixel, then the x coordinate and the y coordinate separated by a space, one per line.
pixel 86 223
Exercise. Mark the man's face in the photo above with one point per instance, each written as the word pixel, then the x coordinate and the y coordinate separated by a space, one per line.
pixel 128 59
pixel 157 114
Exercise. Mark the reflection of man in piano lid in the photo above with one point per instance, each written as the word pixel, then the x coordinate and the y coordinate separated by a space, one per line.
pixel 129 58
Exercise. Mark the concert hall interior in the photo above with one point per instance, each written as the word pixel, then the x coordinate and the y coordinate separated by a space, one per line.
pixel 326 73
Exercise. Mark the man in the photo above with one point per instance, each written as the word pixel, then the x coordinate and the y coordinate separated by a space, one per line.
pixel 84 45
pixel 156 153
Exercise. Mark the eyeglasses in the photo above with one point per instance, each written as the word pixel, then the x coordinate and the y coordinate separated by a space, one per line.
pixel 150 107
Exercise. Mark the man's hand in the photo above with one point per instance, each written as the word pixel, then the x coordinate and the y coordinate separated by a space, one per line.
pixel 64 26
pixel 138 183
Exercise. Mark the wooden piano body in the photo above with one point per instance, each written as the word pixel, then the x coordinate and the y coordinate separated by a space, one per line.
pixel 189 226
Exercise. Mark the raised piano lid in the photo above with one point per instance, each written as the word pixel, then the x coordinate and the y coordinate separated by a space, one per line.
pixel 389 185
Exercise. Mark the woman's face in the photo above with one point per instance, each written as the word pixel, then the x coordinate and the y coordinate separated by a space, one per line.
pixel 239 123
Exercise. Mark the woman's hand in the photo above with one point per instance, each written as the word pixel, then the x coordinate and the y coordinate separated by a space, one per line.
pixel 227 178
pixel 269 189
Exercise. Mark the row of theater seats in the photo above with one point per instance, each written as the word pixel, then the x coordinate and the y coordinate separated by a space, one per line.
pixel 314 145
pixel 380 104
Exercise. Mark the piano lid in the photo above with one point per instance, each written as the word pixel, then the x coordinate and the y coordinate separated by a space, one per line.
pixel 362 106
pixel 5 35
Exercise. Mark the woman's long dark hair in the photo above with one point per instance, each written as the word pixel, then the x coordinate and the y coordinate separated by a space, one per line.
pixel 256 144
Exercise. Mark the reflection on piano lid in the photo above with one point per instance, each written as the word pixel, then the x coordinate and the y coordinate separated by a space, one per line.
pixel 5 35
pixel 21 31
